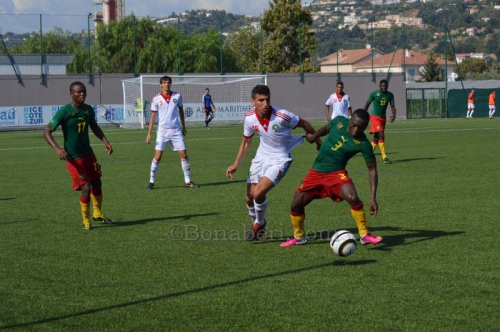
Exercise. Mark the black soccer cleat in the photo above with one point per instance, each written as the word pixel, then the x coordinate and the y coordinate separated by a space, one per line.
pixel 191 185
pixel 150 186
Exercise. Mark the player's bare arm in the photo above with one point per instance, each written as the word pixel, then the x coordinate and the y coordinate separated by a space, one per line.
pixel 319 133
pixel 393 116
pixel 373 178
pixel 100 135
pixel 328 117
pixel 181 117
pixel 61 153
pixel 309 129
pixel 367 104
pixel 242 151
pixel 150 128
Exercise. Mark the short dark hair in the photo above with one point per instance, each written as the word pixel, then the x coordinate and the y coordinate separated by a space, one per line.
pixel 74 84
pixel 261 89
pixel 165 78
pixel 339 82
pixel 360 113
pixel 384 81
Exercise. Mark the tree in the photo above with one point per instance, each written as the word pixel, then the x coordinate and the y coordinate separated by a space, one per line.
pixel 113 51
pixel 283 23
pixel 472 66
pixel 431 71
pixel 245 43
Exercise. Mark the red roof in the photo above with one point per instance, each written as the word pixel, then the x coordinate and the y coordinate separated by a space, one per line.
pixel 347 57
pixel 413 58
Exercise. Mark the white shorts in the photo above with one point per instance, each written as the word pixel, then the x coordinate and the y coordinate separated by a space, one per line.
pixel 172 136
pixel 274 170
pixel 492 107
pixel 470 106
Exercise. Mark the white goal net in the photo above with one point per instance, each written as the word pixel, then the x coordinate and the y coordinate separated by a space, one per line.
pixel 231 95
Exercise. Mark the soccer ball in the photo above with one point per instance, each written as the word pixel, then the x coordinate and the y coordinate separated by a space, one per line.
pixel 343 243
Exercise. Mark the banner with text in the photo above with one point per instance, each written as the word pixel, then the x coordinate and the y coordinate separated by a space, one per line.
pixel 37 115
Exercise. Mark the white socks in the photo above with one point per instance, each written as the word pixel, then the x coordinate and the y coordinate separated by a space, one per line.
pixel 260 211
pixel 154 169
pixel 186 168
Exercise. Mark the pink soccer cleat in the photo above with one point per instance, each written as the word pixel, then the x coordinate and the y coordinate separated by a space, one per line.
pixel 370 239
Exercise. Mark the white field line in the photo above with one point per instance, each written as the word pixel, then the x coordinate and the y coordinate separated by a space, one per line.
pixel 402 131
pixel 124 143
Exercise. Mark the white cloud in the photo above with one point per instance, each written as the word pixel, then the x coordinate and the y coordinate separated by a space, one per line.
pixel 6 7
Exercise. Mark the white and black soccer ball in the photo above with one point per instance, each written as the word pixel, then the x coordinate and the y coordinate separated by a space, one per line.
pixel 343 243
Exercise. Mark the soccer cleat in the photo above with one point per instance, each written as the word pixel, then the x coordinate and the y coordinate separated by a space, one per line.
pixel 294 242
pixel 387 161
pixel 370 239
pixel 256 232
pixel 207 127
pixel 150 186
pixel 103 219
pixel 86 226
pixel 191 185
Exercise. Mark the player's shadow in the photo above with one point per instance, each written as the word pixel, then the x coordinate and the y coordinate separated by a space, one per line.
pixel 397 161
pixel 17 221
pixel 203 184
pixel 255 279
pixel 148 220
pixel 7 198
pixel 409 236
pixel 222 183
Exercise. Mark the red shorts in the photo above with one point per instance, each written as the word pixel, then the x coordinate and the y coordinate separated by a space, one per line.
pixel 83 170
pixel 377 124
pixel 321 185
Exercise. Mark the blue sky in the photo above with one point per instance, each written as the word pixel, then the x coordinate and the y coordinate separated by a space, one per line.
pixel 154 8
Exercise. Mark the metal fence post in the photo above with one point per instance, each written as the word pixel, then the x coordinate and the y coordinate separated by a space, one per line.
pixel 41 51
pixel 88 39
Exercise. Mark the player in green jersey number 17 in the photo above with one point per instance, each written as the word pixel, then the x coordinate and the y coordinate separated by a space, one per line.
pixel 381 99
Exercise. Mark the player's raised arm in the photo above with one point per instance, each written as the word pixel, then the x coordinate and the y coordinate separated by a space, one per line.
pixel 309 129
pixel 319 133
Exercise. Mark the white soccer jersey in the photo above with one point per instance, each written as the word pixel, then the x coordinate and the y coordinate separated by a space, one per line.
pixel 276 139
pixel 168 110
pixel 340 105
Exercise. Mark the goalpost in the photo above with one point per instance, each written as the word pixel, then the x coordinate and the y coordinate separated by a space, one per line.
pixel 231 95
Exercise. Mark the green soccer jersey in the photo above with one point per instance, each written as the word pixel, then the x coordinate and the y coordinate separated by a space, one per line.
pixel 339 146
pixel 75 127
pixel 380 102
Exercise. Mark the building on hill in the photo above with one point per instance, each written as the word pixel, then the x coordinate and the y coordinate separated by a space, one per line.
pixel 347 59
pixel 407 61
pixel 462 56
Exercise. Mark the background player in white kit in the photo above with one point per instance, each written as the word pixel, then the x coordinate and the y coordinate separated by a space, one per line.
pixel 340 102
pixel 171 129
pixel 272 160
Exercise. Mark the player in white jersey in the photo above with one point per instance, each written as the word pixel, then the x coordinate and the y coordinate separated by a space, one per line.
pixel 272 159
pixel 340 102
pixel 171 129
